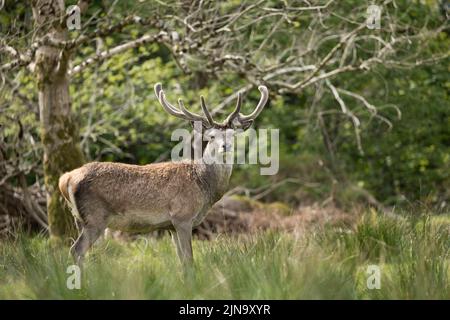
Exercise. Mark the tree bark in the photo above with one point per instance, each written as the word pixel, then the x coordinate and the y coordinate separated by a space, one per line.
pixel 59 132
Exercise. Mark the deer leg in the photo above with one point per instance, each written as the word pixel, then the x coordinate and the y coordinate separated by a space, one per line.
pixel 93 214
pixel 88 236
pixel 174 236
pixel 184 241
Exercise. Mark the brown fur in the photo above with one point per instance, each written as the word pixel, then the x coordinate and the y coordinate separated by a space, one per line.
pixel 137 198
pixel 141 198
pixel 125 186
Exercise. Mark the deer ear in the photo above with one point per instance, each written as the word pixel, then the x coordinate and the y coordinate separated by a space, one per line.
pixel 243 125
pixel 247 124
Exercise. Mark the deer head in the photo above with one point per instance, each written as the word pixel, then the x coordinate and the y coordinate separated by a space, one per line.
pixel 218 134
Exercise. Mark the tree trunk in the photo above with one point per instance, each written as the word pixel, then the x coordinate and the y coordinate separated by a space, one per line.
pixel 59 133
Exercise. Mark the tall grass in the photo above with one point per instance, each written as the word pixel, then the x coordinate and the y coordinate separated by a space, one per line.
pixel 331 263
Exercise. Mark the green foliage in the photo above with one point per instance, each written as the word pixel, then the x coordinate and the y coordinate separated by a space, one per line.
pixel 411 161
pixel 120 119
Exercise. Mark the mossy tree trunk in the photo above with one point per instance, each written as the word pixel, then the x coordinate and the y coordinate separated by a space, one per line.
pixel 59 133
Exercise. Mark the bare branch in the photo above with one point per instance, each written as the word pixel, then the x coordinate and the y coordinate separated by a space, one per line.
pixel 346 111
pixel 160 37
pixel 109 30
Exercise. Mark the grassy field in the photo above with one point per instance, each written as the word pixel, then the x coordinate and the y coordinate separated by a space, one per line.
pixel 331 263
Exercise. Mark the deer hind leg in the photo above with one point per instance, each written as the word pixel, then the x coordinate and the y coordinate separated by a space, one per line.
pixel 94 224
pixel 183 240
pixel 88 236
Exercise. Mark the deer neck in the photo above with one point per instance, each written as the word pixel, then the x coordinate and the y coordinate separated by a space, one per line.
pixel 214 176
pixel 213 180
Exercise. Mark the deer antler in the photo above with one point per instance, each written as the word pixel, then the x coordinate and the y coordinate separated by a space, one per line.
pixel 182 112
pixel 229 120
pixel 207 120
pixel 165 104
pixel 261 104
pixel 246 120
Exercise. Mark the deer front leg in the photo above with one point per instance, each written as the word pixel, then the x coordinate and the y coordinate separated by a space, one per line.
pixel 174 236
pixel 183 240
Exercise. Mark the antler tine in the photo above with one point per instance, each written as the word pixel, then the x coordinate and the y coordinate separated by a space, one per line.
pixel 190 114
pixel 208 120
pixel 181 113
pixel 261 104
pixel 236 111
pixel 206 112
pixel 165 104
